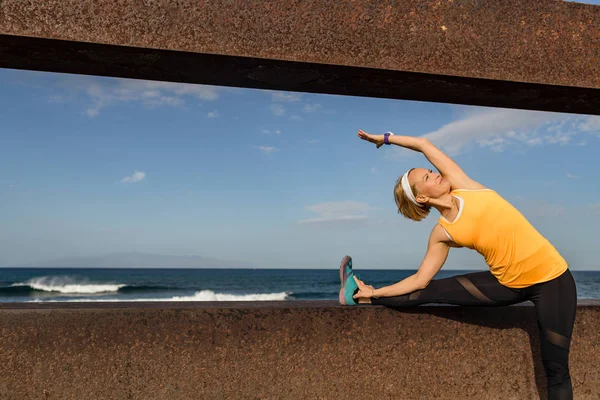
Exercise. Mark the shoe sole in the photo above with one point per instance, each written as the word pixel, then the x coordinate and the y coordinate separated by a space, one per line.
pixel 343 278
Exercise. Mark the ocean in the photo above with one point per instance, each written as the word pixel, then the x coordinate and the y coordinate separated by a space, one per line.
pixel 171 284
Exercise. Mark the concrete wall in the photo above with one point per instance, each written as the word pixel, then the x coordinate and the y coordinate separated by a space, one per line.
pixel 282 350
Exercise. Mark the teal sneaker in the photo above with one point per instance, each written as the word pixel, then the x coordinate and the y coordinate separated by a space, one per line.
pixel 348 285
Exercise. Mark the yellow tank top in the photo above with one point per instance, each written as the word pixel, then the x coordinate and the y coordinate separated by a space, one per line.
pixel 517 254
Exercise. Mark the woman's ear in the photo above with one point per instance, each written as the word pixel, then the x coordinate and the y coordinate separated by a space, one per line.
pixel 422 198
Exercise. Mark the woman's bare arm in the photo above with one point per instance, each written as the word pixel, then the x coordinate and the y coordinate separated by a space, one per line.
pixel 437 253
pixel 447 167
pixel 440 160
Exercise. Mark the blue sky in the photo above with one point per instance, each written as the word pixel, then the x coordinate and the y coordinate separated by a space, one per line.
pixel 594 2
pixel 92 166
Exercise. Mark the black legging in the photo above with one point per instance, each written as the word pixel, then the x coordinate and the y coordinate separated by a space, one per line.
pixel 555 304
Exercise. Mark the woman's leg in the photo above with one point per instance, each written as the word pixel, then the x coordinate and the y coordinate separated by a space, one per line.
pixel 556 304
pixel 473 289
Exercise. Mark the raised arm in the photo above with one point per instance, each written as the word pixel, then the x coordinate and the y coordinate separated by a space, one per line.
pixel 441 161
pixel 446 166
pixel 437 253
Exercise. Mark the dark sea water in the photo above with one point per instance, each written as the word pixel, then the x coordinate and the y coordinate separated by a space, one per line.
pixel 87 284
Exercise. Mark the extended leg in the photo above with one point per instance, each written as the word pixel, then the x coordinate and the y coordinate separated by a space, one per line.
pixel 473 289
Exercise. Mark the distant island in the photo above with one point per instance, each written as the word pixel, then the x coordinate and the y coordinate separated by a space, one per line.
pixel 139 260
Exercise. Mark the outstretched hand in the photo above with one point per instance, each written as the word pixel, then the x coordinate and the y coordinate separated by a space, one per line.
pixel 377 139
pixel 364 291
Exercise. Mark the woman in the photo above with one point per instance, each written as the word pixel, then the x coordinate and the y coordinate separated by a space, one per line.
pixel 523 264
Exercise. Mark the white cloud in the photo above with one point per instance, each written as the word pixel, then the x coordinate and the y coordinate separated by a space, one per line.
pixel 286 97
pixel 595 207
pixel 534 141
pixel 277 110
pixel 498 129
pixel 571 176
pixel 58 98
pixel 267 149
pixel 373 170
pixel 163 101
pixel 590 124
pixel 337 211
pixel 213 114
pixel 495 144
pixel 105 92
pixel 312 107
pixel 484 126
pixel 267 132
pixel 137 176
pixel 277 132
pixel 92 112
pixel 560 138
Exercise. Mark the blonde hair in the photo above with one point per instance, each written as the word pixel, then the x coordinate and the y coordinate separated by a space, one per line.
pixel 406 207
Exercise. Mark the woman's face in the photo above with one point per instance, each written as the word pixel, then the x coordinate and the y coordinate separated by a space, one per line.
pixel 428 183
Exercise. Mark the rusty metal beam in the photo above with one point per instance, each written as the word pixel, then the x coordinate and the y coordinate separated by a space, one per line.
pixel 539 54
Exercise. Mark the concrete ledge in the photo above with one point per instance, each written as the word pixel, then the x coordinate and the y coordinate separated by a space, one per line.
pixel 282 350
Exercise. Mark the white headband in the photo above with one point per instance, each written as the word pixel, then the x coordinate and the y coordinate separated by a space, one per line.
pixel 408 190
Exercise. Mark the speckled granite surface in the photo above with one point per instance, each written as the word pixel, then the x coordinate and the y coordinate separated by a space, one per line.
pixel 282 350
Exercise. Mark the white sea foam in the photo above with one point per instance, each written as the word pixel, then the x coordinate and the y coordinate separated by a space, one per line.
pixel 68 285
pixel 202 295
pixel 209 295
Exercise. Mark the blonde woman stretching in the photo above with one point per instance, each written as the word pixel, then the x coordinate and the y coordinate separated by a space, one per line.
pixel 523 265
